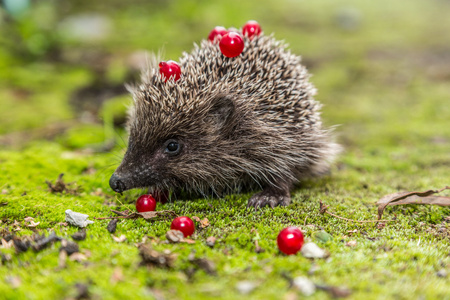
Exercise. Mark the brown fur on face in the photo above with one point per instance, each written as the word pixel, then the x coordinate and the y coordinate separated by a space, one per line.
pixel 244 121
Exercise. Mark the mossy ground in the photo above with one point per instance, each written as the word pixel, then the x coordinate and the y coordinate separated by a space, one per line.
pixel 385 82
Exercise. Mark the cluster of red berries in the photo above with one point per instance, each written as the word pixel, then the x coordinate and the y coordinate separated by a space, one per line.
pixel 184 224
pixel 230 42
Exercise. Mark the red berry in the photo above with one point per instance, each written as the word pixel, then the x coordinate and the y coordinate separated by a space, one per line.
pixel 290 240
pixel 231 44
pixel 145 203
pixel 251 28
pixel 183 224
pixel 217 33
pixel 169 69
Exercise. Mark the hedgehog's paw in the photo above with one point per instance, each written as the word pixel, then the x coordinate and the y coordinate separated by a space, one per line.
pixel 269 197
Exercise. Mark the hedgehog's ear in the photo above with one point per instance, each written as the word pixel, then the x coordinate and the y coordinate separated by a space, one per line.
pixel 222 109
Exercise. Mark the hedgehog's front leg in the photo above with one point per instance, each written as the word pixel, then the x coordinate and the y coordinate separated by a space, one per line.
pixel 272 196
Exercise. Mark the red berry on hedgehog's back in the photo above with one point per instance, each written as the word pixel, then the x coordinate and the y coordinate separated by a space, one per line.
pixel 231 44
pixel 290 240
pixel 217 33
pixel 170 69
pixel 251 28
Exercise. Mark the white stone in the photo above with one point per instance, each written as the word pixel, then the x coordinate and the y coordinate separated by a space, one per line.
pixel 304 285
pixel 311 250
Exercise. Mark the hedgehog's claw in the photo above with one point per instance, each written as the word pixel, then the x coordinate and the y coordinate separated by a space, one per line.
pixel 269 197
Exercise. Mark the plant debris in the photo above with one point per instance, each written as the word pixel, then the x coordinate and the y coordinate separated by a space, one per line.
pixel 82 291
pixel 3 203
pixel 69 247
pixel 61 187
pixel 112 225
pixel 43 242
pixel 79 235
pixel 203 263
pixel 201 223
pixel 77 219
pixel 402 198
pixel 211 241
pixel 168 214
pixel 154 258
pixel 31 223
pixel 334 291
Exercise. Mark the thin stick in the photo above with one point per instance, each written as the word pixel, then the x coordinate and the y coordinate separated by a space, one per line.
pixel 323 210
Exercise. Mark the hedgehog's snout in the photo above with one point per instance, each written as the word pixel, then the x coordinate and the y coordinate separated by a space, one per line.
pixel 117 184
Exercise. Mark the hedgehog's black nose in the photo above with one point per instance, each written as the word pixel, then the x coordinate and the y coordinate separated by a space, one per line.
pixel 116 184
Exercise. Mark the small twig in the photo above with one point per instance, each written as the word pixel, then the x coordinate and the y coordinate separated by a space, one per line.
pixel 323 210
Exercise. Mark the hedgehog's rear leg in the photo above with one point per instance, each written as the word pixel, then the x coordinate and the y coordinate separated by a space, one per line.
pixel 272 196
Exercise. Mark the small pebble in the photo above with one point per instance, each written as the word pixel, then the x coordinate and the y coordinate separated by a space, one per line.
pixel 304 285
pixel 245 287
pixel 311 250
pixel 442 273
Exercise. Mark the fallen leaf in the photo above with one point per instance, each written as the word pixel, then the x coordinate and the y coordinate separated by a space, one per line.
pixel 202 223
pixel 403 198
pixel 119 239
pixel 169 214
pixel 7 245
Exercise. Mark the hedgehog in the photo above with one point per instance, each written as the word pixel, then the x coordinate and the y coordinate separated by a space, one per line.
pixel 248 123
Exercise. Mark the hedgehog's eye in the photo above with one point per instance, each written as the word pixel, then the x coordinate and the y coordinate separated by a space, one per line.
pixel 172 147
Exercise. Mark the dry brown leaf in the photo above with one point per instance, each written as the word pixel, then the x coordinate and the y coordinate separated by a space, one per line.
pixel 403 198
pixel 7 245
pixel 146 215
pixel 202 223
